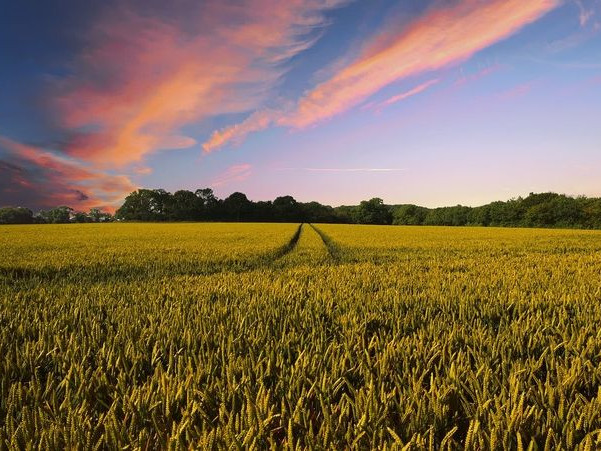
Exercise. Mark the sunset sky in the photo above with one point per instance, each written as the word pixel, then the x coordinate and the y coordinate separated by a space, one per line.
pixel 428 102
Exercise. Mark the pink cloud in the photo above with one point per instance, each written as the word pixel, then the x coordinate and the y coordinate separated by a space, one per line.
pixel 141 79
pixel 405 95
pixel 50 179
pixel 440 38
pixel 236 173
pixel 259 120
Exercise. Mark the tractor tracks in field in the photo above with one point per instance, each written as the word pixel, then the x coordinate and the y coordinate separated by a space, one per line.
pixel 96 274
pixel 308 246
pixel 290 245
pixel 331 246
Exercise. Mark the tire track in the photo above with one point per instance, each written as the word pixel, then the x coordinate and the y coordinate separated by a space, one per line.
pixel 289 246
pixel 104 274
pixel 333 249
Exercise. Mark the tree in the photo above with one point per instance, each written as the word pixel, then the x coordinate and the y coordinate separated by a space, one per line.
pixel 347 214
pixel 207 203
pixel 409 215
pixel 479 216
pixel 567 212
pixel 95 214
pixel 206 195
pixel 287 209
pixel 160 203
pixel 184 206
pixel 237 207
pixel 316 212
pixel 373 211
pixel 80 216
pixel 591 212
pixel 139 206
pixel 16 215
pixel 262 211
pixel 58 215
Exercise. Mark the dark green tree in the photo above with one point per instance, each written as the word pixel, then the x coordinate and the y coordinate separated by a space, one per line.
pixel 409 215
pixel 80 216
pixel 184 206
pixel 237 207
pixel 374 211
pixel 287 209
pixel 58 215
pixel 16 215
pixel 208 204
pixel 139 206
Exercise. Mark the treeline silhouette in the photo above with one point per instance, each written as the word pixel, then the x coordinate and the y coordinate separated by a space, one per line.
pixel 535 210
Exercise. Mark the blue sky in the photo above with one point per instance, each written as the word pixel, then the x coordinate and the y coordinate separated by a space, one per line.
pixel 427 102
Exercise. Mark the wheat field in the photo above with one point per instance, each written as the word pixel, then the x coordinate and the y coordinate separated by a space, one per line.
pixel 288 336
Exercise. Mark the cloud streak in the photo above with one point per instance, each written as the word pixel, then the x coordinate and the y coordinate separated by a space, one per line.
pixel 257 121
pixel 405 95
pixel 441 37
pixel 346 169
pixel 236 173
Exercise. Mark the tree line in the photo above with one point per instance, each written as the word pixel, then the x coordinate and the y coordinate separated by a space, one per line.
pixel 535 210
pixel 57 215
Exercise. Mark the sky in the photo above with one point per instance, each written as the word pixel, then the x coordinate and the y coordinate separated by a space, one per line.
pixel 431 102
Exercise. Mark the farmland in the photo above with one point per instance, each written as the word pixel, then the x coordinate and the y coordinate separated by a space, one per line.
pixel 286 336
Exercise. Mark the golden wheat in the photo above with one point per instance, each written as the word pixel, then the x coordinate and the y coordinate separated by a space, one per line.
pixel 260 336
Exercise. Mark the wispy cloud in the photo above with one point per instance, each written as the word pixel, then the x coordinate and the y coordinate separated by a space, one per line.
pixel 142 78
pixel 345 169
pixel 469 26
pixel 236 173
pixel 400 53
pixel 405 95
pixel 590 25
pixel 257 121
pixel 586 13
